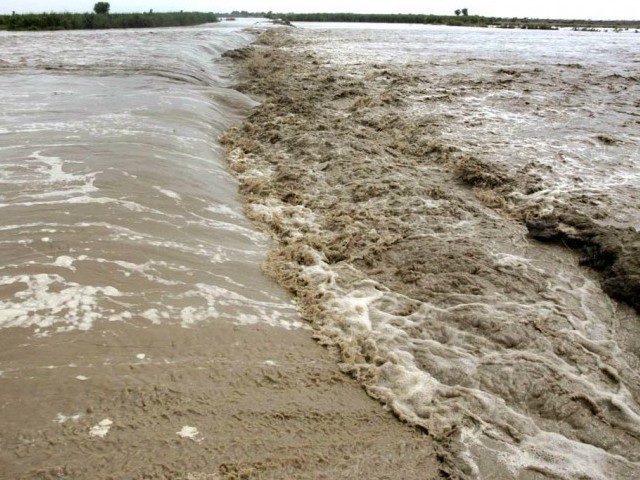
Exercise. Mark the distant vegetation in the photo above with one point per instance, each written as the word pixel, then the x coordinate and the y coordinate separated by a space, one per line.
pixel 473 20
pixel 461 18
pixel 103 19
pixel 78 21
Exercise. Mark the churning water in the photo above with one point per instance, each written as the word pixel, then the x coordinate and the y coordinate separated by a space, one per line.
pixel 493 363
pixel 505 349
pixel 562 103
pixel 115 205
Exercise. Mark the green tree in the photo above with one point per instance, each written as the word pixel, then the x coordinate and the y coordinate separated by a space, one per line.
pixel 465 11
pixel 458 12
pixel 101 7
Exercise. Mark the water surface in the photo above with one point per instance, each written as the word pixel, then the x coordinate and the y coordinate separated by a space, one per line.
pixel 114 197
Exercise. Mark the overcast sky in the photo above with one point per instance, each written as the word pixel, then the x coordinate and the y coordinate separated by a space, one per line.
pixel 584 9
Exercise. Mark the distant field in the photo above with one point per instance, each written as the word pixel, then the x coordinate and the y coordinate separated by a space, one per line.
pixel 462 20
pixel 88 21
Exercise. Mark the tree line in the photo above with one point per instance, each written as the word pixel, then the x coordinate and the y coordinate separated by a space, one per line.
pixel 459 19
pixel 80 21
pixel 103 19
pixel 387 18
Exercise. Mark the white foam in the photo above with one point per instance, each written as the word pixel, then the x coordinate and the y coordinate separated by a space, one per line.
pixel 168 193
pixel 141 356
pixel 101 429
pixel 47 300
pixel 225 210
pixel 354 316
pixel 60 418
pixel 65 262
pixel 273 211
pixel 82 378
pixel 191 433
pixel 221 302
pixel 509 260
pixel 551 452
pixel 120 316
pixel 152 315
pixel 46 178
pixel 354 307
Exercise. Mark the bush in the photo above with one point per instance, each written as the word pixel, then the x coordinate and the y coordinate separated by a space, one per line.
pixel 101 7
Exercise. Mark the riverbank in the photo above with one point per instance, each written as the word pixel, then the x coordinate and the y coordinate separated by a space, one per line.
pixel 464 21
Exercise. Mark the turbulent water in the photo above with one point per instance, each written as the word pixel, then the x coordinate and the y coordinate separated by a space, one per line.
pixel 505 349
pixel 563 104
pixel 114 198
pixel 116 206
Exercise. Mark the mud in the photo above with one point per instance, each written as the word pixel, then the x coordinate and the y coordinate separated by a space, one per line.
pixel 411 261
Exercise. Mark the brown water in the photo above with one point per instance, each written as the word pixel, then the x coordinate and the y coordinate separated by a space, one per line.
pixel 360 163
pixel 125 261
pixel 114 198
pixel 138 335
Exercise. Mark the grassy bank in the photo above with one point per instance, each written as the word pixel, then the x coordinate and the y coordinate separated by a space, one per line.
pixel 88 21
pixel 461 20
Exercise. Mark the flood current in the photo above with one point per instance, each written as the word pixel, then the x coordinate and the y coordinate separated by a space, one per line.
pixel 117 208
pixel 114 198
pixel 126 262
pixel 403 169
pixel 562 106
pixel 561 103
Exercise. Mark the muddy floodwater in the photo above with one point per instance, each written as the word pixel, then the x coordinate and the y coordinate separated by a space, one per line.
pixel 452 212
pixel 457 211
pixel 115 202
pixel 139 337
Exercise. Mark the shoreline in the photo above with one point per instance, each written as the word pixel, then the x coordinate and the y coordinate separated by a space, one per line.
pixel 462 20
